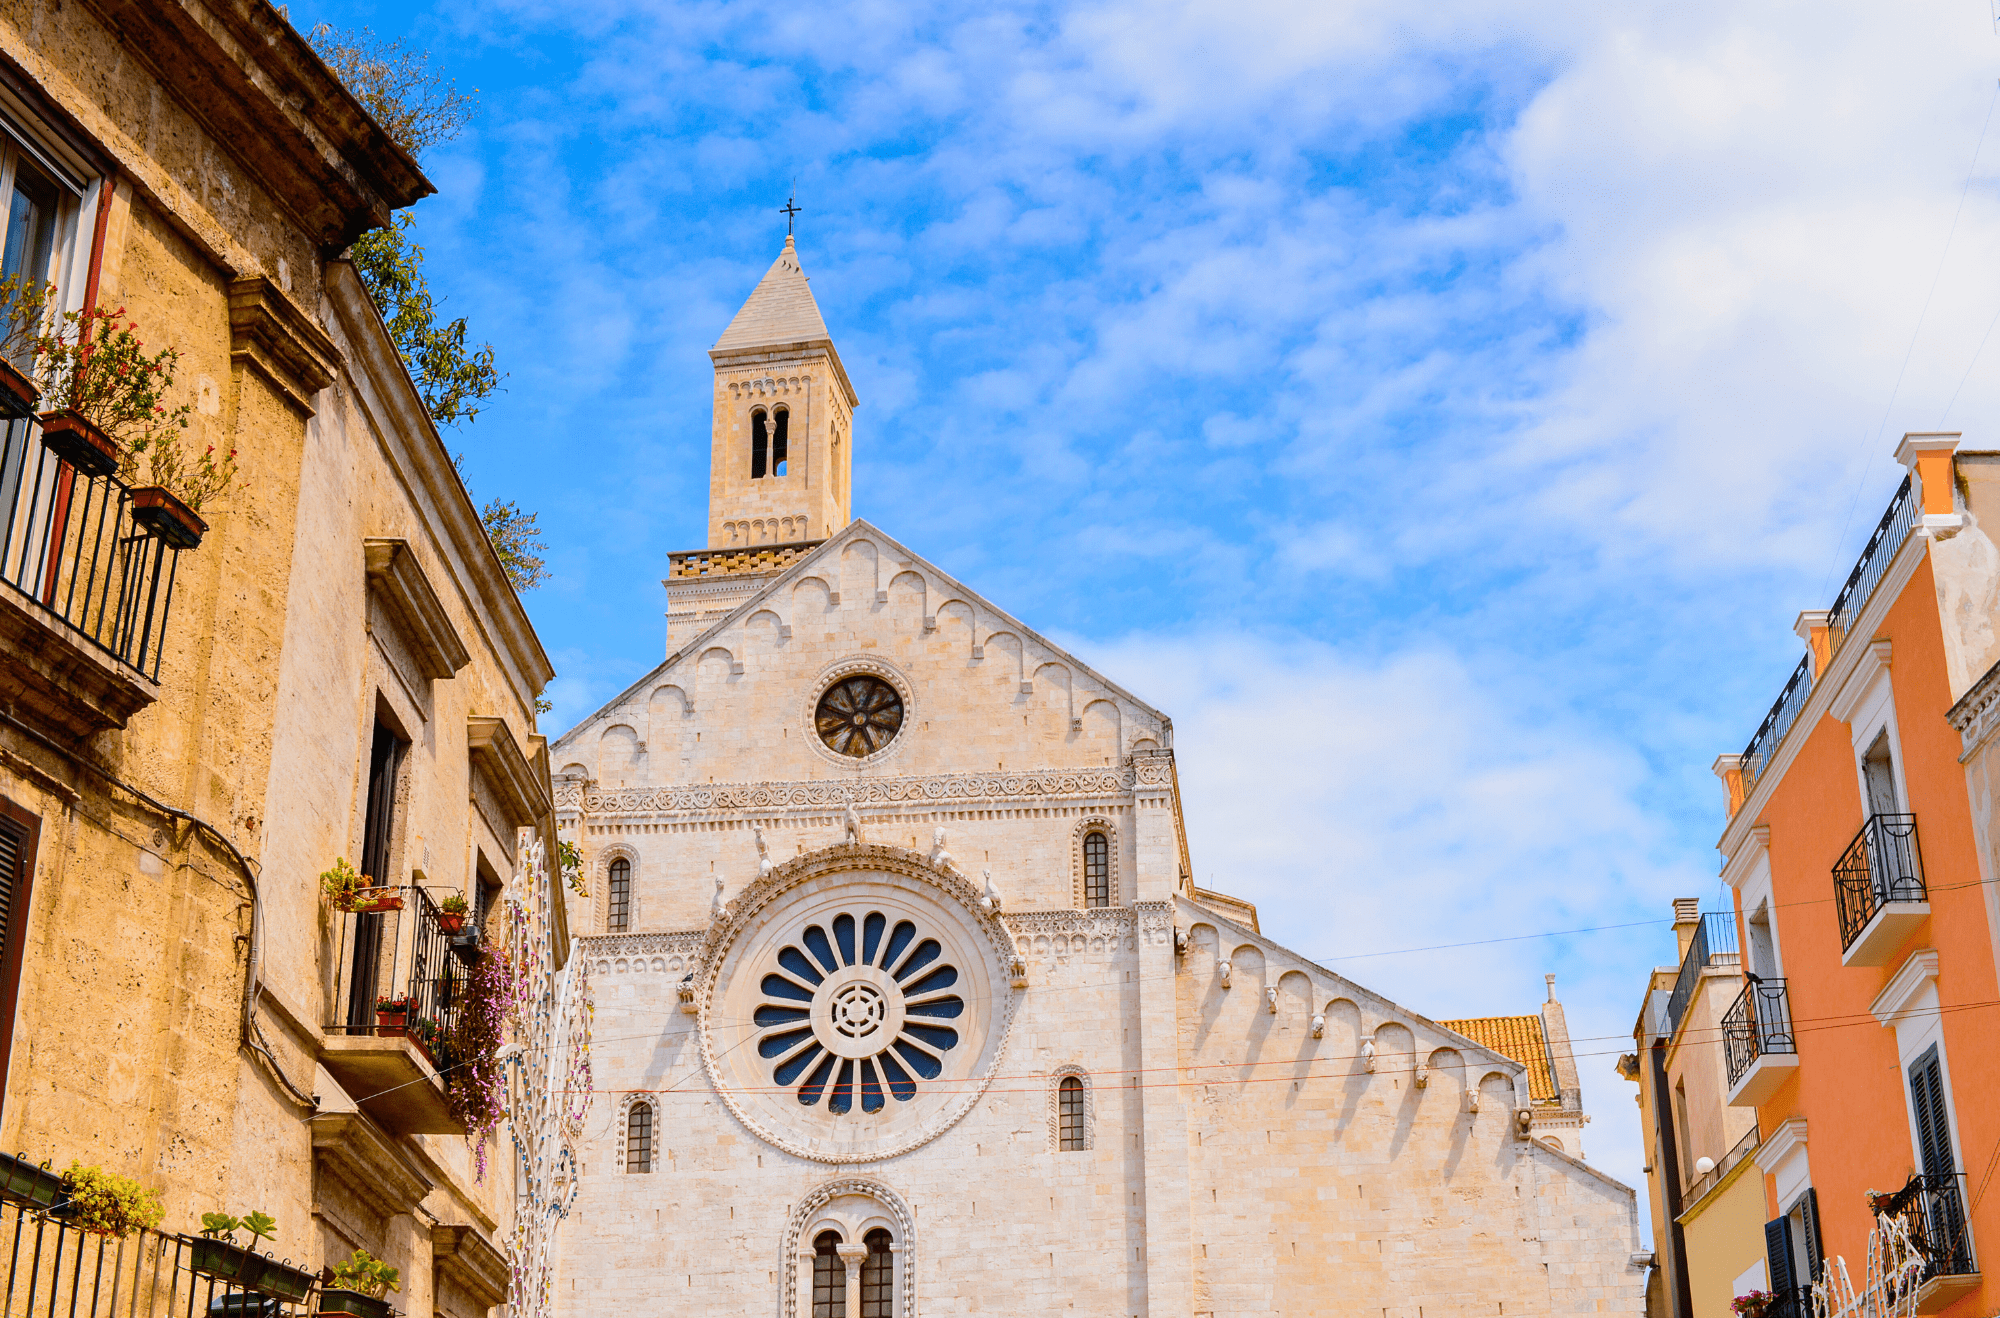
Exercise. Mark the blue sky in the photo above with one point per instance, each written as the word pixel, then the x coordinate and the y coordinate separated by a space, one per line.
pixel 1442 411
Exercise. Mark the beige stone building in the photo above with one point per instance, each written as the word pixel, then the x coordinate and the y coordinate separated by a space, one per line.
pixel 189 736
pixel 907 1002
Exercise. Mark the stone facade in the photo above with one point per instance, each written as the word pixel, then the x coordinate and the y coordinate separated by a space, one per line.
pixel 908 1004
pixel 179 989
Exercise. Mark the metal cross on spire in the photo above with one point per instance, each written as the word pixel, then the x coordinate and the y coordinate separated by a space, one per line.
pixel 790 210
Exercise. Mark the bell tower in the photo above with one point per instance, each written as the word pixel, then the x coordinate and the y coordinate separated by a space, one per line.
pixel 782 447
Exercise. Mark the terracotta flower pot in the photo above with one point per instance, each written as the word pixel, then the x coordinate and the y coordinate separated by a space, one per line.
pixel 18 395
pixel 167 517
pixel 392 1022
pixel 79 443
pixel 371 904
pixel 450 922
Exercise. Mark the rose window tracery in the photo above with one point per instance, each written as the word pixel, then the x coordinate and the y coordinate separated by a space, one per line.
pixel 858 1011
pixel 859 715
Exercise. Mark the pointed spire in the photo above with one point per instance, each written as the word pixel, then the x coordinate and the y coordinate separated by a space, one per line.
pixel 779 310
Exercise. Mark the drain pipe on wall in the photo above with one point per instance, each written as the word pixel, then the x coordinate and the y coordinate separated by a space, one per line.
pixel 250 1034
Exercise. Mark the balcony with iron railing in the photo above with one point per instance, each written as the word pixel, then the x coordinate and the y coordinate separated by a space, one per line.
pixel 402 970
pixel 1934 1210
pixel 50 1267
pixel 1888 537
pixel 1879 890
pixel 1713 945
pixel 86 584
pixel 1758 1045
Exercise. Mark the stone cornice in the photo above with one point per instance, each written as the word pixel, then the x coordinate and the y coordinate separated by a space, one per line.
pixel 1778 1145
pixel 497 757
pixel 355 1149
pixel 1899 995
pixel 926 789
pixel 270 335
pixel 1977 712
pixel 398 579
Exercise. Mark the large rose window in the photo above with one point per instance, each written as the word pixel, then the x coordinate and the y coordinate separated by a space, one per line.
pixel 858 1011
pixel 858 716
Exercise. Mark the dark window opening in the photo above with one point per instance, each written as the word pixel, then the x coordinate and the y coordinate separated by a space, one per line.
pixel 1069 1114
pixel 780 441
pixel 621 896
pixel 377 832
pixel 19 834
pixel 1096 870
pixel 758 443
pixel 878 1276
pixel 829 1277
pixel 31 226
pixel 639 1139
pixel 1933 1127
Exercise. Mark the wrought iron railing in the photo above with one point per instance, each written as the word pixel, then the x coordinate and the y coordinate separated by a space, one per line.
pixel 1714 941
pixel 53 1269
pixel 1880 551
pixel 1933 1207
pixel 1778 722
pixel 1797 1302
pixel 1708 1180
pixel 1758 1023
pixel 1881 865
pixel 73 551
pixel 406 956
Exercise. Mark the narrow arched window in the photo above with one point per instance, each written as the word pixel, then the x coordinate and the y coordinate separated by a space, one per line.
pixel 829 1277
pixel 1069 1115
pixel 639 1138
pixel 780 439
pixel 621 896
pixel 1096 870
pixel 759 442
pixel 878 1276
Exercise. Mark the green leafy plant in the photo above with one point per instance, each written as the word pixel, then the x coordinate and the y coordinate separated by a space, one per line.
pixel 341 883
pixel 97 367
pixel 363 1272
pixel 220 1226
pixel 453 905
pixel 571 862
pixel 107 1204
pixel 26 314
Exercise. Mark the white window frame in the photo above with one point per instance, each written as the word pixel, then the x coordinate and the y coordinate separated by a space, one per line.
pixel 82 185
pixel 1910 1005
pixel 1867 704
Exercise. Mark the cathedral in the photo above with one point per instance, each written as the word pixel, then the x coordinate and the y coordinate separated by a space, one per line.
pixel 908 1003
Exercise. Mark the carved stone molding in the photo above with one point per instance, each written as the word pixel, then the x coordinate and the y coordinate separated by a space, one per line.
pixel 905 1242
pixel 1038 784
pixel 497 757
pixel 398 580
pixel 469 1260
pixel 1105 931
pixel 672 954
pixel 1156 920
pixel 269 334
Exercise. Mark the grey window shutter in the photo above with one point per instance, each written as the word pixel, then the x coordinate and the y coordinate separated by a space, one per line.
pixel 1778 1248
pixel 1815 1250
pixel 1927 1104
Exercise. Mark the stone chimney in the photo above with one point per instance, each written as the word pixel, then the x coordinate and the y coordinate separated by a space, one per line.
pixel 1687 917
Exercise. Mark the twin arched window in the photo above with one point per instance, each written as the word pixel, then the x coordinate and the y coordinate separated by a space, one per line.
pixel 1070 1135
pixel 619 917
pixel 875 1285
pixel 769 438
pixel 639 1138
pixel 1096 870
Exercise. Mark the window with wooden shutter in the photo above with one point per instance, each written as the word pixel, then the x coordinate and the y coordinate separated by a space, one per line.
pixel 20 832
pixel 1778 1252
pixel 1808 1211
pixel 1927 1105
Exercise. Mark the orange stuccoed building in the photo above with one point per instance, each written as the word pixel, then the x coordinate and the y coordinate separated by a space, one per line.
pixel 1859 848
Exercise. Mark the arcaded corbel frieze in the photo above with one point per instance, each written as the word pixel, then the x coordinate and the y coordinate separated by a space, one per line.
pixel 398 580
pixel 272 336
pixel 497 759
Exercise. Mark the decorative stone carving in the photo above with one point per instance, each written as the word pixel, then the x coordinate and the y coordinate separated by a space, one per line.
pixel 940 858
pixel 991 898
pixel 1039 784
pixel 764 861
pixel 795 1252
pixel 1319 1025
pixel 851 821
pixel 1368 1055
pixel 1222 972
pixel 1423 1077
pixel 1055 1106
pixel 1271 998
pixel 686 989
pixel 743 946
pixel 715 903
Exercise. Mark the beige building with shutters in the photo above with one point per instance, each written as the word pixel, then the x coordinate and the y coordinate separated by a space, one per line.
pixel 907 1000
pixel 189 736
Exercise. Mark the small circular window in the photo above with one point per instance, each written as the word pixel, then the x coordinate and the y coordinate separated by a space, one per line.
pixel 859 715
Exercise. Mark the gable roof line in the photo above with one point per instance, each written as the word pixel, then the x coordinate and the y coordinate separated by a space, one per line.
pixel 1395 1007
pixel 852 530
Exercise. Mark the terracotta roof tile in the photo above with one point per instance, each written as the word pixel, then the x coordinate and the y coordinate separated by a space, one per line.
pixel 1518 1037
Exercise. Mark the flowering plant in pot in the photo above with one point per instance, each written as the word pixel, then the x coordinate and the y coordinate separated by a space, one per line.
pixel 391 1017
pixel 351 892
pixel 107 1204
pixel 106 398
pixel 1753 1304
pixel 451 914
pixel 360 1282
pixel 25 310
